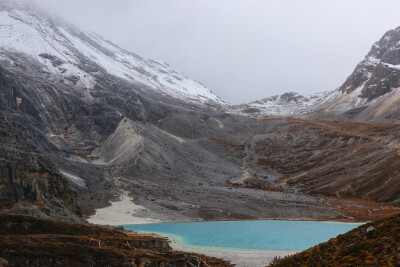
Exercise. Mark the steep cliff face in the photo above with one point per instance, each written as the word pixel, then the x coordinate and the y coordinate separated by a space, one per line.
pixel 29 182
pixel 379 72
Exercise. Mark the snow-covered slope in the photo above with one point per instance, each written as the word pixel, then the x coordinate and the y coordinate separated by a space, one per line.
pixel 287 104
pixel 82 57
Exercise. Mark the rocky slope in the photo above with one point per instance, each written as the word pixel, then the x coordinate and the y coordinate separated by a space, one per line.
pixel 372 244
pixel 29 182
pixel 352 166
pixel 332 158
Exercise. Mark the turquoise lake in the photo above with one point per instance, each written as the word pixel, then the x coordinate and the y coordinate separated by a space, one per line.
pixel 249 235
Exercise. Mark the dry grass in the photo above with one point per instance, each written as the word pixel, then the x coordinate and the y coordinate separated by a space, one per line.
pixel 27 241
pixel 377 246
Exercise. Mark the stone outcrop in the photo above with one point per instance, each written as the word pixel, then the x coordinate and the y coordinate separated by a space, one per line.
pixel 380 70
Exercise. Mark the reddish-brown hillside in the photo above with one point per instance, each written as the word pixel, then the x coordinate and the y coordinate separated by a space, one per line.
pixel 373 244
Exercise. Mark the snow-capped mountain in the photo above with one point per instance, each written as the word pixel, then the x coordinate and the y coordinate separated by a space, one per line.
pixel 287 104
pixel 81 57
pixel 371 92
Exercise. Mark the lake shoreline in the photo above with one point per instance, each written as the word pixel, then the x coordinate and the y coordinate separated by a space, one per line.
pixel 238 257
pixel 251 220
pixel 126 210
pixel 252 254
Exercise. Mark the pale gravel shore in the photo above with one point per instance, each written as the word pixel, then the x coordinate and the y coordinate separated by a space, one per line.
pixel 238 257
pixel 120 212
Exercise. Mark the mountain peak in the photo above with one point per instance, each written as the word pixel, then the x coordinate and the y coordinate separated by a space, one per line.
pixel 379 72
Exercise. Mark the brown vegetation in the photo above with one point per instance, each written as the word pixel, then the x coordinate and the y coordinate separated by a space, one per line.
pixel 335 158
pixel 373 244
pixel 28 241
pixel 360 210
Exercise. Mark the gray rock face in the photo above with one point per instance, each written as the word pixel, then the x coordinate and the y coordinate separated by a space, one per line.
pixel 26 174
pixel 372 91
pixel 380 70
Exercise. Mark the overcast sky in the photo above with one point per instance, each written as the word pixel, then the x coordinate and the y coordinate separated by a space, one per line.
pixel 242 50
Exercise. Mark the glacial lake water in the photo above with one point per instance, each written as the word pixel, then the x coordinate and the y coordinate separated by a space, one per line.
pixel 249 235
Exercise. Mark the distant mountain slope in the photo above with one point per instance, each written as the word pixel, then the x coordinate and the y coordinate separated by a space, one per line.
pixel 287 104
pixel 70 90
pixel 343 159
pixel 372 244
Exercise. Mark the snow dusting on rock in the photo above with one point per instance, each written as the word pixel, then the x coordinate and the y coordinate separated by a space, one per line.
pixel 78 55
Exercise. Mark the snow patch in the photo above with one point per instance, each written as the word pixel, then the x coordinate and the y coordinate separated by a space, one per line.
pixel 120 212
